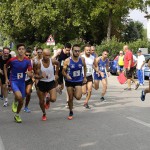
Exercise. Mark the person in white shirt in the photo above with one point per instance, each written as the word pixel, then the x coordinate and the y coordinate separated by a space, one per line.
pixel 89 61
pixel 140 67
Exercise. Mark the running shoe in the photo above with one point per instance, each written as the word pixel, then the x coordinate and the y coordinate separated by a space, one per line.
pixel 102 99
pixel 1 97
pixel 17 118
pixel 70 117
pixel 136 86
pixel 44 118
pixel 142 96
pixel 87 106
pixel 59 91
pixel 47 105
pixel 14 107
pixel 5 104
pixel 27 110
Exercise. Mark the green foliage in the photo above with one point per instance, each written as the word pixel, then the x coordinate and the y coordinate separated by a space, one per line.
pixel 132 31
pixel 34 20
pixel 113 46
pixel 139 44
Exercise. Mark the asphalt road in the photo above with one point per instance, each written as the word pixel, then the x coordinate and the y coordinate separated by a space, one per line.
pixel 121 123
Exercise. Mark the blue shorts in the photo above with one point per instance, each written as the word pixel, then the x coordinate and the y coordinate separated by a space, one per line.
pixel 119 68
pixel 18 86
pixel 96 77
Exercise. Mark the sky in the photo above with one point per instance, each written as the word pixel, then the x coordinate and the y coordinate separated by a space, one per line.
pixel 137 15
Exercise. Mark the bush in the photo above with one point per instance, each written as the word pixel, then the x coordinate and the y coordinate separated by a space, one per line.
pixel 113 46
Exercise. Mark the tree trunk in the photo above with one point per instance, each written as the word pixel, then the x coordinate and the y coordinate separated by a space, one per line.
pixel 109 25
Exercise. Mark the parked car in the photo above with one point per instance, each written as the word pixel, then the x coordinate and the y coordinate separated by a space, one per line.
pixel 113 65
pixel 146 70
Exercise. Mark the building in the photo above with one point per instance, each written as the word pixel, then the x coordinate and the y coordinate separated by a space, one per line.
pixel 148 26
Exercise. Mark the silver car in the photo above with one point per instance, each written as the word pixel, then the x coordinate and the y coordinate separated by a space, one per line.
pixel 147 69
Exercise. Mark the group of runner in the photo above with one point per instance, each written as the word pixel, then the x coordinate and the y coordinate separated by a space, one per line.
pixel 79 71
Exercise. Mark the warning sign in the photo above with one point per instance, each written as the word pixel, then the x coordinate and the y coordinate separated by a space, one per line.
pixel 50 40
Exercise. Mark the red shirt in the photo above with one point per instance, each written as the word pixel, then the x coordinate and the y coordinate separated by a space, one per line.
pixel 128 56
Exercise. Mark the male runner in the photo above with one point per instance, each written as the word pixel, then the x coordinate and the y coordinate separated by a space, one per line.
pixel 87 87
pixel 28 83
pixel 46 84
pixel 61 55
pixel 72 71
pixel 100 74
pixel 3 59
pixel 18 66
pixel 93 53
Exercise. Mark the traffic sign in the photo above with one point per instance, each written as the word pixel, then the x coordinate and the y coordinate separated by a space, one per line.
pixel 50 40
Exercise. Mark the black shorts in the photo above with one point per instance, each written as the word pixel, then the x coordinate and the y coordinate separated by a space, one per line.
pixel 28 82
pixel 46 86
pixel 2 77
pixel 61 78
pixel 89 79
pixel 129 73
pixel 73 84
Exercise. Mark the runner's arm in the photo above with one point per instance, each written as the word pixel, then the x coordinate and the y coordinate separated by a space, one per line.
pixel 84 66
pixel 57 64
pixel 37 72
pixel 5 73
pixel 56 54
pixel 64 70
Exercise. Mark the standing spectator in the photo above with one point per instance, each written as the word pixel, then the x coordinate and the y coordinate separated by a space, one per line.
pixel 128 66
pixel 140 67
pixel 120 62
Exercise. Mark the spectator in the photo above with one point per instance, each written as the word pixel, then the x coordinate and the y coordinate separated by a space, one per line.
pixel 120 62
pixel 140 67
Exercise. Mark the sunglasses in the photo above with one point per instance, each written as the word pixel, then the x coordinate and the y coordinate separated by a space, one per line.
pixel 28 55
pixel 77 51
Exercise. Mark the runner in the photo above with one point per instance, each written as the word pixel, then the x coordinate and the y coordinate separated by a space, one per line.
pixel 18 66
pixel 72 71
pixel 28 83
pixel 87 87
pixel 93 53
pixel 147 90
pixel 100 74
pixel 46 84
pixel 61 55
pixel 3 59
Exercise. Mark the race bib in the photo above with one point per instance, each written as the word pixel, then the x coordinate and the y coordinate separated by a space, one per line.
pixel 19 75
pixel 62 62
pixel 102 68
pixel 89 70
pixel 76 73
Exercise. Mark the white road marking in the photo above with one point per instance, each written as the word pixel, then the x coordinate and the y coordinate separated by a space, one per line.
pixel 139 121
pixel 1 144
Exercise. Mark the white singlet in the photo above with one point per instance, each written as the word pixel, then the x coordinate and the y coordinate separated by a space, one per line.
pixel 48 71
pixel 89 64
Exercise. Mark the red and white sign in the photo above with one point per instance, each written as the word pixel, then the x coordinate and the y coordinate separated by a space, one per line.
pixel 50 40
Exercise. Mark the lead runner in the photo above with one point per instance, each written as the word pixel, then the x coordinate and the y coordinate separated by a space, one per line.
pixel 72 71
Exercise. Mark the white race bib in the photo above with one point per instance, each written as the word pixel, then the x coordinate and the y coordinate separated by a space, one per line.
pixel 19 75
pixel 62 62
pixel 89 70
pixel 76 73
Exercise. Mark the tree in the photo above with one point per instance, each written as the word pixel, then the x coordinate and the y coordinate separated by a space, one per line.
pixel 133 31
